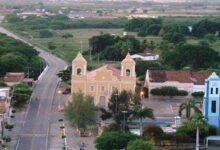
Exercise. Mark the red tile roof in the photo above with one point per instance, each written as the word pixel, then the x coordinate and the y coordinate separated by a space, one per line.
pixel 179 76
pixel 116 72
pixel 14 77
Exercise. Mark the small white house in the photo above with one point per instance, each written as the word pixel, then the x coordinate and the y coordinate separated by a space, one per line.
pixel 145 57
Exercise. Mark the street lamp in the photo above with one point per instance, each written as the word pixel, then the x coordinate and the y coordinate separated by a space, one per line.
pixel 124 112
pixel 142 95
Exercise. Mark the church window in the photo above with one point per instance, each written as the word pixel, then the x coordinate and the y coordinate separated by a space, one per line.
pixel 216 91
pixel 211 90
pixel 128 72
pixel 102 88
pixel 213 107
pixel 79 71
pixel 92 88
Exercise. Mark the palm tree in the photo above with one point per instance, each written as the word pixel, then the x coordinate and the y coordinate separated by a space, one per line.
pixel 142 113
pixel 188 107
pixel 198 119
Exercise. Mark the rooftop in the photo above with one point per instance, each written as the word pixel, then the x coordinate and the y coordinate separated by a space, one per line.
pixel 197 78
pixel 14 77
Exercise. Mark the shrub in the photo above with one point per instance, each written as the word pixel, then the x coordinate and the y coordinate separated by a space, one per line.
pixel 168 91
pixel 152 131
pixel 189 129
pixel 182 93
pixel 7 139
pixel 198 94
pixel 113 127
pixel 45 33
pixel 139 144
pixel 114 140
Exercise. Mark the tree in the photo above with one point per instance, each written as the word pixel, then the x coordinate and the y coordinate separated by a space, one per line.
pixel 21 93
pixel 65 75
pixel 81 111
pixel 13 18
pixel 100 42
pixel 174 38
pixel 194 56
pixel 16 56
pixel 199 120
pixel 205 26
pixel 114 140
pixel 139 145
pixel 142 113
pixel 153 29
pixel 124 101
pixel 45 33
pixel 188 107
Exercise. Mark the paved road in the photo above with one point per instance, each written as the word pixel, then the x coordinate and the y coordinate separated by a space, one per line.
pixel 34 134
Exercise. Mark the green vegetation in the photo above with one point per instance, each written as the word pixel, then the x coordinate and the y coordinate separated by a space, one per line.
pixel 21 94
pixel 193 56
pixel 119 102
pixel 189 129
pixel 114 47
pixel 61 22
pixel 2 84
pixel 188 107
pixel 139 144
pixel 198 94
pixel 65 75
pixel 81 111
pixel 114 140
pixel 141 113
pixel 16 56
pixel 168 91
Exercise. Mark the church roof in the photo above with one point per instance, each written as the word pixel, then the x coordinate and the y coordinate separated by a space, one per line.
pixel 115 72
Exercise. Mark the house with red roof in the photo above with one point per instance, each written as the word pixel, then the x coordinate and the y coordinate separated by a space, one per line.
pixel 184 80
pixel 101 82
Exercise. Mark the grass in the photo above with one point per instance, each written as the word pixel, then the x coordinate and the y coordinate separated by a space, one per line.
pixel 67 48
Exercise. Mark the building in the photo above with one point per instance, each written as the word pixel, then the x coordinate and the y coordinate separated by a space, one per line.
pixel 145 57
pixel 183 80
pixel 12 78
pixel 101 82
pixel 211 107
pixel 4 106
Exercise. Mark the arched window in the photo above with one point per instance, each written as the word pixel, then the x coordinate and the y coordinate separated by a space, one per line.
pixel 128 72
pixel 79 71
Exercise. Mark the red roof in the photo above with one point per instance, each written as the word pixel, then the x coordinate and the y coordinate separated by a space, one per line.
pixel 179 76
pixel 14 77
pixel 116 72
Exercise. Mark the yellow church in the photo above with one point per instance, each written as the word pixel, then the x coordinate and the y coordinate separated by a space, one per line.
pixel 101 82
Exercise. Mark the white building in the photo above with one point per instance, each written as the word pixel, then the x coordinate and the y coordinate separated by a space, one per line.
pixel 145 57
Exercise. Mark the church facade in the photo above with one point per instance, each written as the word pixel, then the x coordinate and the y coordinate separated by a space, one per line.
pixel 101 82
pixel 211 107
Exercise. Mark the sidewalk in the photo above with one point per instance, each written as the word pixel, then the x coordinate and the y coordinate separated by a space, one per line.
pixel 55 134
